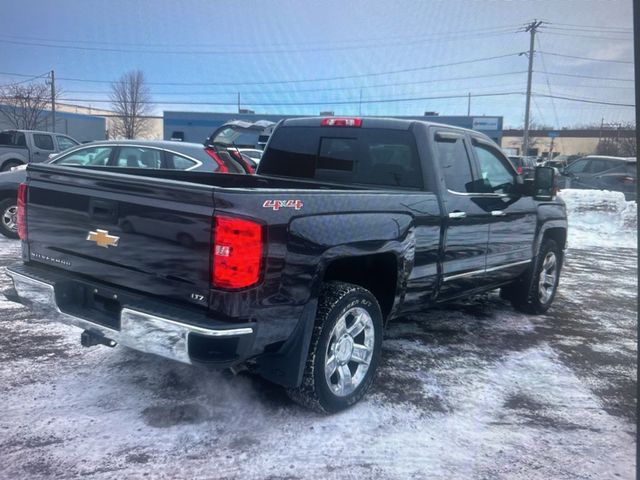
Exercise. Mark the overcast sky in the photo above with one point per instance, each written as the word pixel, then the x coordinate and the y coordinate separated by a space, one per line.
pixel 250 46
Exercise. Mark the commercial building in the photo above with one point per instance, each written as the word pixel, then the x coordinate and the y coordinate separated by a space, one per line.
pixel 82 127
pixel 197 126
pixel 562 142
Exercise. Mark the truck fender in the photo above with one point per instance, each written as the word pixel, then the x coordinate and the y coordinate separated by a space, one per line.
pixel 544 227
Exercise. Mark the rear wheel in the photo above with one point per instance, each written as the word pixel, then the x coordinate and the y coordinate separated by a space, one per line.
pixel 8 221
pixel 535 291
pixel 345 349
pixel 7 166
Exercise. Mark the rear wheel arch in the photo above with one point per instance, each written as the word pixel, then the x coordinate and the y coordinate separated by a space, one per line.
pixel 378 273
pixel 10 162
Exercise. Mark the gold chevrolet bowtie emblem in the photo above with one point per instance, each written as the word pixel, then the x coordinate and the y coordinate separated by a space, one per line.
pixel 103 239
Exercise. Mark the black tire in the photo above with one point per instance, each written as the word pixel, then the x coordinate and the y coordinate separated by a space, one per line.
pixel 336 300
pixel 5 205
pixel 8 165
pixel 526 294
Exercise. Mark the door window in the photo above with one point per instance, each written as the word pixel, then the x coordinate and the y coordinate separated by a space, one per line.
pixel 496 176
pixel 65 143
pixel 93 156
pixel 578 166
pixel 455 163
pixel 139 157
pixel 43 142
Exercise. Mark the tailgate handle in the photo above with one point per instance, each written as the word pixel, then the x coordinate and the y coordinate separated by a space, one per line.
pixel 103 210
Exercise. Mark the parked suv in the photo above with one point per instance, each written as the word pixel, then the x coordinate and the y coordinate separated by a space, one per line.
pixel 19 147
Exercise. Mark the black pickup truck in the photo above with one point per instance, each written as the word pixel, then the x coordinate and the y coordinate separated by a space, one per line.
pixel 293 272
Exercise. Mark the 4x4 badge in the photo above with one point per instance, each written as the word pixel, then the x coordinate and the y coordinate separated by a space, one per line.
pixel 102 238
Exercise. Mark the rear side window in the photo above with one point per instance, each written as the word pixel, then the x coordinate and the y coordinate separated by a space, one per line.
pixel 94 156
pixel 178 162
pixel 455 163
pixel 377 157
pixel 44 142
pixel 138 157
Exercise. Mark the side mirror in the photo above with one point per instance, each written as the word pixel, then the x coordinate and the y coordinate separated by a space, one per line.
pixel 544 183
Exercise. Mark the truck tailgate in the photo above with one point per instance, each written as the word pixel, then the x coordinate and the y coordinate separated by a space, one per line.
pixel 146 234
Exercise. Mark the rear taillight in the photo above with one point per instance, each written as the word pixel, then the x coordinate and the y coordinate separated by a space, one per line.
pixel 519 170
pixel 628 180
pixel 222 167
pixel 341 122
pixel 21 215
pixel 237 253
pixel 243 161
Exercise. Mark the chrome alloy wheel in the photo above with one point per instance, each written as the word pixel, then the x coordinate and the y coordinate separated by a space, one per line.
pixel 349 351
pixel 548 277
pixel 9 218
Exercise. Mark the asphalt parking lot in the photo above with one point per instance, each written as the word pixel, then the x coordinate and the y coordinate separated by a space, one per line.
pixel 475 390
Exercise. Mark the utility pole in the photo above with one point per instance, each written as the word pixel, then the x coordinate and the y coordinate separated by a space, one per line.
pixel 53 101
pixel 469 105
pixel 360 104
pixel 532 28
pixel 238 102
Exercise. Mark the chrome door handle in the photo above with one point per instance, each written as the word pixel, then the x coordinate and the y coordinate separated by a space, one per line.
pixel 457 214
pixel 497 213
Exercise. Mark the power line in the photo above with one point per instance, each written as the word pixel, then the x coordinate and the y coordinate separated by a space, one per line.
pixel 595 27
pixel 589 30
pixel 591 37
pixel 305 80
pixel 325 48
pixel 323 42
pixel 329 102
pixel 30 79
pixel 378 85
pixel 587 58
pixel 553 104
pixel 585 100
pixel 575 75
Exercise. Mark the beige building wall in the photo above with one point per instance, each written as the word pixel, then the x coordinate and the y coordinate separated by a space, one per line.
pixel 561 145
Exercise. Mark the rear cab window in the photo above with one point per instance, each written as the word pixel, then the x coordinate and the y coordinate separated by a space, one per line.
pixel 13 139
pixel 353 156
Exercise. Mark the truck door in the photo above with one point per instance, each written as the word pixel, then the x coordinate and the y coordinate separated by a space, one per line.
pixel 512 216
pixel 466 222
pixel 42 146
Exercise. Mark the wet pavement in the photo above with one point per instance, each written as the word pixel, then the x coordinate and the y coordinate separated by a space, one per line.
pixel 473 390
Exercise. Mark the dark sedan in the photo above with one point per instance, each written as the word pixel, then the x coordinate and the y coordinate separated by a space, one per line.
pixel 597 172
pixel 125 154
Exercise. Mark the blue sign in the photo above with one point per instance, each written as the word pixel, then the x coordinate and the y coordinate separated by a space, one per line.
pixel 554 134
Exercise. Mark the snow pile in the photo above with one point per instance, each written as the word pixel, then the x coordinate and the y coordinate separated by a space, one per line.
pixel 600 218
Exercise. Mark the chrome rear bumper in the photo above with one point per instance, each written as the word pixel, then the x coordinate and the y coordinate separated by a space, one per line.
pixel 138 330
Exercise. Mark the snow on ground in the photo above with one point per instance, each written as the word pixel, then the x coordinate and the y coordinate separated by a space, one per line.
pixel 473 390
pixel 600 218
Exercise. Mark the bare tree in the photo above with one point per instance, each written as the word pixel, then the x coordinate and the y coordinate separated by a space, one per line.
pixel 23 106
pixel 131 101
pixel 619 142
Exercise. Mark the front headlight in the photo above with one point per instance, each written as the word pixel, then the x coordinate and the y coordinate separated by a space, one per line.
pixel 19 167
